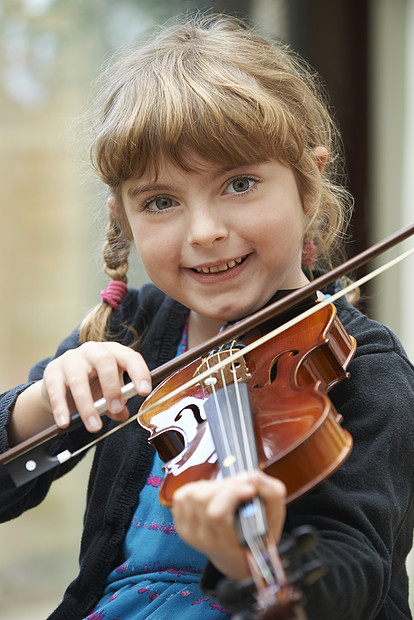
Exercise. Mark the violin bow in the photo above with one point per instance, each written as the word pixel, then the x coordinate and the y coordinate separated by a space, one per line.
pixel 32 457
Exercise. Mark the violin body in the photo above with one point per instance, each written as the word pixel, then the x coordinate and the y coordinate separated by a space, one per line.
pixel 298 433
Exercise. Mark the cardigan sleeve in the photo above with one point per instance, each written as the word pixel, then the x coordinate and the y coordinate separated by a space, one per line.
pixel 138 311
pixel 14 501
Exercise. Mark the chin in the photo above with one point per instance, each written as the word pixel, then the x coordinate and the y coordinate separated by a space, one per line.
pixel 232 315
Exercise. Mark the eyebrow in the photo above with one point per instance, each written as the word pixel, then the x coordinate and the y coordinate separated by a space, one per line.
pixel 135 191
pixel 139 189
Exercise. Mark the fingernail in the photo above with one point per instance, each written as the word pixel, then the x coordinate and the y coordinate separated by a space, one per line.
pixel 116 406
pixel 93 424
pixel 61 420
pixel 144 387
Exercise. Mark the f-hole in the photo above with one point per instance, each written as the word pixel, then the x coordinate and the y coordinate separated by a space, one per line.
pixel 194 410
pixel 273 371
pixel 171 443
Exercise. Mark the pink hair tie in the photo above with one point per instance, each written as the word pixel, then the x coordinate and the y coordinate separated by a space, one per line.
pixel 114 294
pixel 308 254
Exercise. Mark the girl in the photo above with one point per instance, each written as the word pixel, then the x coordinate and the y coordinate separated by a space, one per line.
pixel 221 163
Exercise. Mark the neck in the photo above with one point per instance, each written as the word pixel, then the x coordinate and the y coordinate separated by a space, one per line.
pixel 201 329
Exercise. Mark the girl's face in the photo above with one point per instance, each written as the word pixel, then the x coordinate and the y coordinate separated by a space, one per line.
pixel 220 241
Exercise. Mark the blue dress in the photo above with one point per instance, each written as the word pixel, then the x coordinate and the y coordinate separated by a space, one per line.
pixel 158 578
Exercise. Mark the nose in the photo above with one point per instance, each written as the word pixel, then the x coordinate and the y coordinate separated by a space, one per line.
pixel 205 225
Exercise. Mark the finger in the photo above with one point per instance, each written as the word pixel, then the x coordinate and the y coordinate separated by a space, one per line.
pixel 220 500
pixel 54 393
pixel 135 366
pixel 268 487
pixel 78 373
pixel 204 518
pixel 111 362
pixel 228 497
pixel 105 363
pixel 108 368
pixel 273 494
pixel 210 506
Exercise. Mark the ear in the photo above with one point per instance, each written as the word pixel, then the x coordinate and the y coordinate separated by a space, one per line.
pixel 115 209
pixel 320 155
pixel 111 204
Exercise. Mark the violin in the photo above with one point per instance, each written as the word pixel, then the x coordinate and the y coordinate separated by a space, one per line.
pixel 268 408
pixel 258 401
pixel 276 392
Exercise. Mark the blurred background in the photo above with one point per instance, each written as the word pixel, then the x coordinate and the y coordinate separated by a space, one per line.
pixel 53 210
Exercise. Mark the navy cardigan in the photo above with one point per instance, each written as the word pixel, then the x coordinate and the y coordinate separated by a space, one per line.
pixel 364 513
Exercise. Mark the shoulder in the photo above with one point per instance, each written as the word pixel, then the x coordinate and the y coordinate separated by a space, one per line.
pixel 155 318
pixel 144 305
pixel 381 375
pixel 138 301
pixel 371 336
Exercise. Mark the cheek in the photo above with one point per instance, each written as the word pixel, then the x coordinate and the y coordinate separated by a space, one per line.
pixel 155 250
pixel 281 231
pixel 146 249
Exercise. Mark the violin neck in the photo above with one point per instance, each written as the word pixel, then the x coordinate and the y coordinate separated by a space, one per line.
pixel 230 419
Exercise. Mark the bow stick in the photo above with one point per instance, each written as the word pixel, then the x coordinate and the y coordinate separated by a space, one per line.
pixel 24 469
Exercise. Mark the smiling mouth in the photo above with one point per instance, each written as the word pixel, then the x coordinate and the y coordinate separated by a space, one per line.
pixel 222 267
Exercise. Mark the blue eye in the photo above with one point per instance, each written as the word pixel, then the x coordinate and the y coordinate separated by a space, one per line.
pixel 241 185
pixel 161 203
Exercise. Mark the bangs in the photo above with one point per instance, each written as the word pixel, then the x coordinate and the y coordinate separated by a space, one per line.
pixel 187 106
pixel 211 89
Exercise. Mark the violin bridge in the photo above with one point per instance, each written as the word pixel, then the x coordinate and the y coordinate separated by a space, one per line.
pixel 234 371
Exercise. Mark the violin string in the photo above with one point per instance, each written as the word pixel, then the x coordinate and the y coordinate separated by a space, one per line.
pixel 239 450
pixel 238 464
pixel 259 556
pixel 217 405
pixel 239 453
pixel 242 449
pixel 242 422
pixel 129 389
pixel 246 448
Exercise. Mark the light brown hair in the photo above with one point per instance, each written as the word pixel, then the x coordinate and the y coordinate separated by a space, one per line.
pixel 210 86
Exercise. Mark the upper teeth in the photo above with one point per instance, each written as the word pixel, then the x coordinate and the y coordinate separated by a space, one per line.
pixel 218 268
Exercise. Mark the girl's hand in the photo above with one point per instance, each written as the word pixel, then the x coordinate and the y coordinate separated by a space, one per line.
pixel 73 381
pixel 204 516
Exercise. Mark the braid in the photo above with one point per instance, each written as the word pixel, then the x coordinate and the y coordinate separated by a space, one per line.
pixel 116 249
pixel 115 252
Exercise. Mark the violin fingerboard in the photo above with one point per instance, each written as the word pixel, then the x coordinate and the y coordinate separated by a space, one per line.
pixel 229 416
